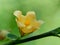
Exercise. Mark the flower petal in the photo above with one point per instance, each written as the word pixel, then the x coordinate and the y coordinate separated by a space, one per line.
pixel 19 16
pixel 20 24
pixel 37 24
pixel 17 13
pixel 27 30
pixel 30 15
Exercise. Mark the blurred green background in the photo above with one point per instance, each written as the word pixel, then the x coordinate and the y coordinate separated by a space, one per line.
pixel 46 10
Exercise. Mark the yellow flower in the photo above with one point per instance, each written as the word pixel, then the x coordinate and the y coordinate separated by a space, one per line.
pixel 27 24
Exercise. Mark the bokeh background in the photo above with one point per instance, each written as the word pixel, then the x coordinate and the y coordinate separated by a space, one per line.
pixel 46 10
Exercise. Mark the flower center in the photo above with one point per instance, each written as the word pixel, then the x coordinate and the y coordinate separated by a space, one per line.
pixel 27 22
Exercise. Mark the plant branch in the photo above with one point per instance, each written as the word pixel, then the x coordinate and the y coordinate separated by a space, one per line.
pixel 54 32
